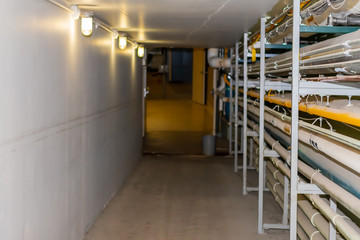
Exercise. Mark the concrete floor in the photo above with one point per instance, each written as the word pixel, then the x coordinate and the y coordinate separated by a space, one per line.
pixel 183 197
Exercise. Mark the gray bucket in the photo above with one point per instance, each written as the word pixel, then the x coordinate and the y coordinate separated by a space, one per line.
pixel 209 145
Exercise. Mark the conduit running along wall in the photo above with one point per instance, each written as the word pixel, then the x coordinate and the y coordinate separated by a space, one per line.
pixel 352 118
pixel 276 189
pixel 347 228
pixel 312 214
pixel 330 167
pixel 337 192
pixel 345 155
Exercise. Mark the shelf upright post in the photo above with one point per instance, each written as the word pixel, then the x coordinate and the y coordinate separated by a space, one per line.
pixel 215 108
pixel 244 140
pixel 236 121
pixel 285 216
pixel 261 128
pixel 332 233
pixel 231 113
pixel 295 118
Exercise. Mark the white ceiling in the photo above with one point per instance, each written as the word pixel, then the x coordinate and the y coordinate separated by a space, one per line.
pixel 187 23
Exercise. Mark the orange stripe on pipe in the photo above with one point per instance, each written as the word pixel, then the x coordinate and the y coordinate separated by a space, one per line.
pixel 331 113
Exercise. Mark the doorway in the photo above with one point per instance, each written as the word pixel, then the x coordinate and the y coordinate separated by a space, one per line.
pixel 175 123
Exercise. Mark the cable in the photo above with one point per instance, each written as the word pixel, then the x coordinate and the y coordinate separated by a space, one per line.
pixel 338 6
pixel 307 119
pixel 355 128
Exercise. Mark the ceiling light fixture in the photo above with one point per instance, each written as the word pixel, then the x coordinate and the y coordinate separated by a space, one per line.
pixel 89 21
pixel 87 24
pixel 122 41
pixel 140 51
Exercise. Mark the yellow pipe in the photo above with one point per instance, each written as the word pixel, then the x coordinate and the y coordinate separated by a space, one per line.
pixel 331 113
pixel 226 81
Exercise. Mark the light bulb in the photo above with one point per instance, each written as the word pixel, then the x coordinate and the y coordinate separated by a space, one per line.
pixel 86 25
pixel 122 42
pixel 141 51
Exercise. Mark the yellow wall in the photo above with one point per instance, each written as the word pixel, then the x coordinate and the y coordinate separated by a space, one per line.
pixel 198 95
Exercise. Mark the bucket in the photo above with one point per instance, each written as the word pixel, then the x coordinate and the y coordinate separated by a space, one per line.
pixel 209 145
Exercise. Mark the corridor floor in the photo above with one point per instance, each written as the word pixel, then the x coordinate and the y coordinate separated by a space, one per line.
pixel 174 123
pixel 185 197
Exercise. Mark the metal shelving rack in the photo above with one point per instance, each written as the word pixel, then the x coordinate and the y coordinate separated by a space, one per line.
pixel 235 146
pixel 295 119
pixel 296 88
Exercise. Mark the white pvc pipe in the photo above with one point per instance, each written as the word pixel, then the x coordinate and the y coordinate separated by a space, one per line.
pixel 215 61
pixel 345 155
pixel 341 222
pixel 348 200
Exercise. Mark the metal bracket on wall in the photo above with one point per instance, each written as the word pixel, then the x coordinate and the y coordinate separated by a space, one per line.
pixel 271 153
pixel 276 226
pixel 327 29
pixel 328 89
pixel 308 188
pixel 252 134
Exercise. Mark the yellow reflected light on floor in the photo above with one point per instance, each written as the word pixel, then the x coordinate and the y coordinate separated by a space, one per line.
pixel 86 25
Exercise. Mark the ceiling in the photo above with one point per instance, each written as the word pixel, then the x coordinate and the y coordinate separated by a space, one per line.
pixel 180 23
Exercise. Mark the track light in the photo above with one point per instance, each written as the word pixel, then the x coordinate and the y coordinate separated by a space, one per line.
pixel 86 25
pixel 141 51
pixel 115 34
pixel 89 21
pixel 122 42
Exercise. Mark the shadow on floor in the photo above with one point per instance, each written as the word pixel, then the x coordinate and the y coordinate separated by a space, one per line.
pixel 179 143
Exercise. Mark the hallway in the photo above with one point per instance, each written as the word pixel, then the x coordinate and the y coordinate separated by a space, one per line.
pixel 176 126
pixel 182 197
pixel 174 123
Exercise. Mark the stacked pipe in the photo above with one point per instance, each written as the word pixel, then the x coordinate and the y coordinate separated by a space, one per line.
pixel 277 189
pixel 275 183
pixel 306 210
pixel 345 226
pixel 339 55
pixel 346 153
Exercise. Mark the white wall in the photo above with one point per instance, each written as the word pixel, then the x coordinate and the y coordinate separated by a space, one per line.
pixel 70 122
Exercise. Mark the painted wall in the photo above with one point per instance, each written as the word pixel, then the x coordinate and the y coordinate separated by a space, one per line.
pixel 198 88
pixel 70 122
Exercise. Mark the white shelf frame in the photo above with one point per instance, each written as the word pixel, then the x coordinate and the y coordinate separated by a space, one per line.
pixel 298 88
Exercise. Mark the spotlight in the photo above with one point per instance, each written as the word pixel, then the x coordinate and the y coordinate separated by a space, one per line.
pixel 122 42
pixel 140 51
pixel 86 25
